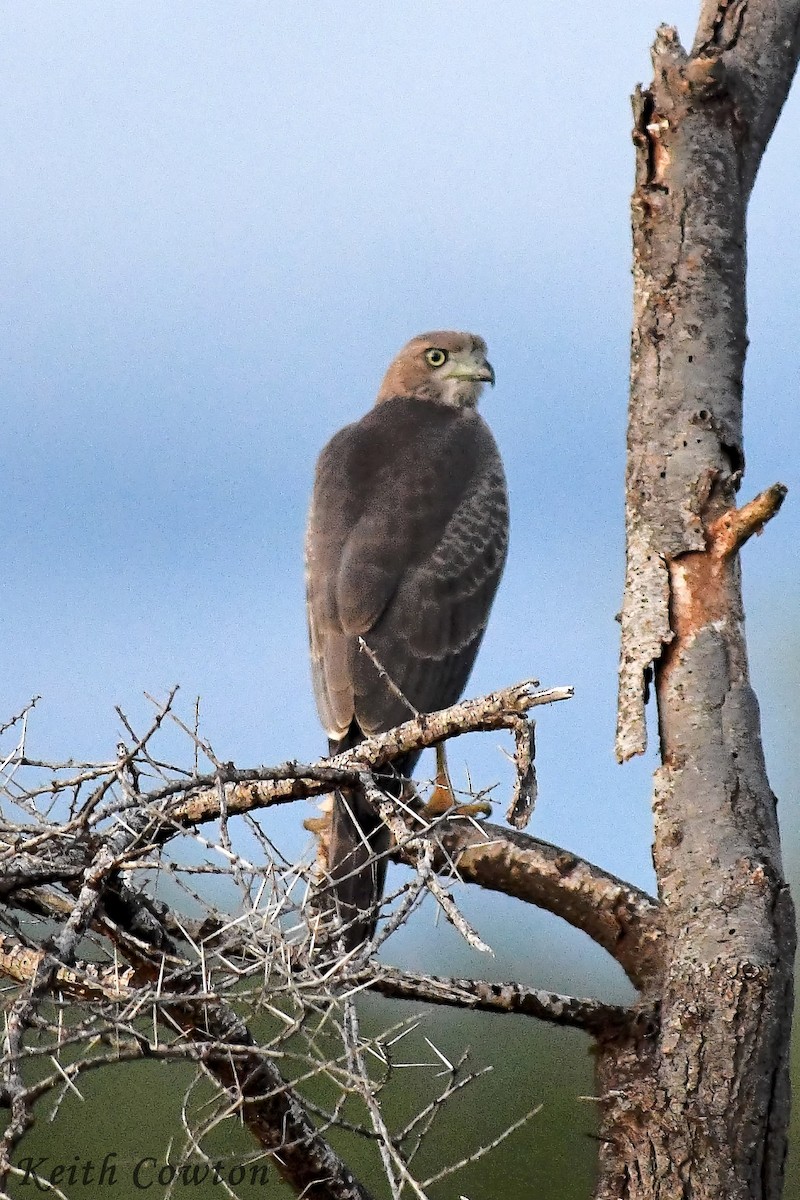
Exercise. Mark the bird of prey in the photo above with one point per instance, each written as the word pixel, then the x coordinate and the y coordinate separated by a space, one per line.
pixel 406 542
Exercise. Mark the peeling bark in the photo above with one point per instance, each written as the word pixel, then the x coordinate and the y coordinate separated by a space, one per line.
pixel 700 1108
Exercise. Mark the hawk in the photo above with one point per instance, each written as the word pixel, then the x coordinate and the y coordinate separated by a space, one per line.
pixel 406 541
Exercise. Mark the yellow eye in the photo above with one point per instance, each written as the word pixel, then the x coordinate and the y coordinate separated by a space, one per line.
pixel 435 357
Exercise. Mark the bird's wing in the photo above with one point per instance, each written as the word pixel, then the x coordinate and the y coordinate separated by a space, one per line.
pixel 349 577
pixel 325 537
pixel 428 635
pixel 406 542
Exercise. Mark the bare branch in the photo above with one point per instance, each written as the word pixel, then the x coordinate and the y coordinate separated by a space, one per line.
pixel 478 994
pixel 83 981
pixel 524 795
pixel 80 874
pixel 20 716
pixel 483 1150
pixel 497 710
pixel 270 1107
pixel 622 919
pixel 448 906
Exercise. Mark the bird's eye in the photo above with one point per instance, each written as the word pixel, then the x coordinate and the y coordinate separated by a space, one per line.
pixel 435 357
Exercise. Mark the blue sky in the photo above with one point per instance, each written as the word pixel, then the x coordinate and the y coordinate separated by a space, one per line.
pixel 220 223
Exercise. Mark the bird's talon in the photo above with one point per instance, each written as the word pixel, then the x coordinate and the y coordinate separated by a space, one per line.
pixel 480 809
pixel 443 802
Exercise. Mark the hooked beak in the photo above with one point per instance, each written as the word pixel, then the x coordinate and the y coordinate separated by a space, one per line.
pixel 479 372
pixel 487 373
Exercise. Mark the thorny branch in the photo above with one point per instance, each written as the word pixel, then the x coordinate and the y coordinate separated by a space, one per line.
pixel 83 847
pixel 498 710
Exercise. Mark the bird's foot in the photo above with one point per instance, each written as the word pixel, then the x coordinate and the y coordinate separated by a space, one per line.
pixel 443 799
pixel 321 828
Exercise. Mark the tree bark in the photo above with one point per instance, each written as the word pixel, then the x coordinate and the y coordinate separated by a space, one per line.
pixel 700 1107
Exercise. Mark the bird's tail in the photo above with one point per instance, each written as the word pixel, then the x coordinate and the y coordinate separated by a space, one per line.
pixel 357 855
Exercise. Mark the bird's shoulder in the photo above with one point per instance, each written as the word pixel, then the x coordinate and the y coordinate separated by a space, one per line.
pixel 406 435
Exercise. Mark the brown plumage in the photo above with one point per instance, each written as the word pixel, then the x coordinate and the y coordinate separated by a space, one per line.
pixel 406 542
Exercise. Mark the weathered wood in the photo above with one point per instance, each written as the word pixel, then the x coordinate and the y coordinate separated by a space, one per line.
pixel 619 917
pixel 700 1109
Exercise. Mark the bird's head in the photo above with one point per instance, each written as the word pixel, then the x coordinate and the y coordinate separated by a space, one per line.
pixel 445 367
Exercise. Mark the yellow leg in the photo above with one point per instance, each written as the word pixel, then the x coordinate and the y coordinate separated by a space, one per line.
pixel 443 797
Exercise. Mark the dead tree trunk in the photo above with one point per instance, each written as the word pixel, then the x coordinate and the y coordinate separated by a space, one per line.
pixel 697 1105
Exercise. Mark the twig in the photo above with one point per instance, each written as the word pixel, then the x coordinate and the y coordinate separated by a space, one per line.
pixel 384 675
pixel 421 852
pixel 20 716
pixel 392 1159
pixel 446 903
pixel 483 1150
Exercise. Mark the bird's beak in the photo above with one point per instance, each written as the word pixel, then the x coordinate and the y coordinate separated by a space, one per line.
pixel 482 372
